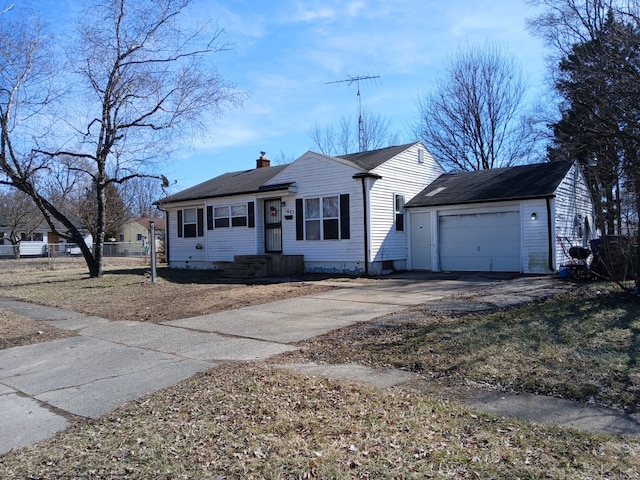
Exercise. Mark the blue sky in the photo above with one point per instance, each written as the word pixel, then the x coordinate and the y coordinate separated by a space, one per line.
pixel 285 51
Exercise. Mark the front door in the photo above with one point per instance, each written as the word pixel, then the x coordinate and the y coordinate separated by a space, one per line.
pixel 273 226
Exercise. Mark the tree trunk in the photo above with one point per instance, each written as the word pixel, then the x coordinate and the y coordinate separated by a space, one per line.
pixel 98 243
pixel 636 264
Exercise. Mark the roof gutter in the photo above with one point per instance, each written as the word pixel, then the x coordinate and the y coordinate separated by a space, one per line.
pixel 475 202
pixel 288 187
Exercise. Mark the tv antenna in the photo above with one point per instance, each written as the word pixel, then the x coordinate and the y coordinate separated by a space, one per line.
pixel 357 81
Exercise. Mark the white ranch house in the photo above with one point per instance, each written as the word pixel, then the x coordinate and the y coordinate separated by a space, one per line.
pixel 377 211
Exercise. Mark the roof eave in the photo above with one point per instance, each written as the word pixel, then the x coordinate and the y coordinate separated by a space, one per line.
pixel 490 200
pixel 289 187
pixel 375 176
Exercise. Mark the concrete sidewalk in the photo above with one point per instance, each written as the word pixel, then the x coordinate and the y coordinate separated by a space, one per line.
pixel 109 363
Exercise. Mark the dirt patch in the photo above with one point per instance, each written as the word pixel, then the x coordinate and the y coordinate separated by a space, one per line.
pixel 16 330
pixel 126 292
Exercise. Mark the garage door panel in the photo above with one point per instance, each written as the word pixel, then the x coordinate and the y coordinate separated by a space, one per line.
pixel 480 242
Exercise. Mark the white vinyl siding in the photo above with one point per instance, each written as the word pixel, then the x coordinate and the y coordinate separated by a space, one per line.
pixel 183 250
pixel 535 236
pixel 573 205
pixel 402 175
pixel 231 234
pixel 316 176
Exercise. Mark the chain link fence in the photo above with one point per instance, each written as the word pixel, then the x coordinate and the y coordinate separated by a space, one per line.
pixel 49 255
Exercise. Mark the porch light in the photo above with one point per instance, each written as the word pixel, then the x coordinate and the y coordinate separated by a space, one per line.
pixel 534 215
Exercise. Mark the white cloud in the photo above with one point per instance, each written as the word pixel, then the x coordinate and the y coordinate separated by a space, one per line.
pixel 305 13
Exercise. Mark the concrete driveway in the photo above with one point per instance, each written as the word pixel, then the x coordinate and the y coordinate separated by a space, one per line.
pixel 109 363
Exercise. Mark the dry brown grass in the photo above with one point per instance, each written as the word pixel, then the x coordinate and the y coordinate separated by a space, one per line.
pixel 247 421
pixel 125 291
pixel 251 421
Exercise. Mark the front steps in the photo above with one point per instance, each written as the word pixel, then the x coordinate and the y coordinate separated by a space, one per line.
pixel 245 267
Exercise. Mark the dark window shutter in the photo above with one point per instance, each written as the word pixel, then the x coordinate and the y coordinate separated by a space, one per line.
pixel 209 218
pixel 251 211
pixel 299 220
pixel 345 225
pixel 201 222
pixel 179 223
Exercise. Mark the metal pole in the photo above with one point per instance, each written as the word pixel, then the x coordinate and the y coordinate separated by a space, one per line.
pixel 152 245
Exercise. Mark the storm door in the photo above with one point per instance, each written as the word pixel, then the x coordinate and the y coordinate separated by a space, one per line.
pixel 273 226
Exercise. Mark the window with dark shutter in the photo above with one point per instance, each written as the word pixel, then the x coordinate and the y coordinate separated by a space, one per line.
pixel 345 225
pixel 209 217
pixel 398 205
pixel 299 219
pixel 251 210
pixel 191 222
pixel 323 218
pixel 201 222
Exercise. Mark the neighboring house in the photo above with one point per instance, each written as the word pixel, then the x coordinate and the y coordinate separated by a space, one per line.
pixel 339 214
pixel 133 236
pixel 42 241
pixel 519 219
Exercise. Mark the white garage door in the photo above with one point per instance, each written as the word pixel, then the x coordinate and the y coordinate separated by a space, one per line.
pixel 485 242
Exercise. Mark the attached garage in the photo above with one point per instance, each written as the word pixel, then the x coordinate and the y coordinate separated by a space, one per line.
pixel 513 219
pixel 482 242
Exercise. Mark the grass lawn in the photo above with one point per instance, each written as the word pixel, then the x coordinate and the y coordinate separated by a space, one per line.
pixel 252 421
pixel 249 421
pixel 584 346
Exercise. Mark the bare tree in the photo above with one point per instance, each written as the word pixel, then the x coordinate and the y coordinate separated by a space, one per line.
pixel 597 75
pixel 344 139
pixel 18 216
pixel 139 80
pixel 474 117
pixel 564 23
pixel 139 195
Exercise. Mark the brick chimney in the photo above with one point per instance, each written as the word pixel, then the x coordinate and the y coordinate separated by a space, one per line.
pixel 263 161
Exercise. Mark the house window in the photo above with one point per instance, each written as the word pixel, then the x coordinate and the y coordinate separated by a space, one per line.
pixel 121 238
pixel 139 237
pixel 32 237
pixel 398 205
pixel 190 225
pixel 222 217
pixel 322 218
pixel 190 222
pixel 239 215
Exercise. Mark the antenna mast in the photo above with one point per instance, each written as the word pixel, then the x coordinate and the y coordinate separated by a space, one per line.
pixel 357 81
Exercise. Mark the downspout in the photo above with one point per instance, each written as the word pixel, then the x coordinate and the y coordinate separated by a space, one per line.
pixel 365 213
pixel 166 233
pixel 550 235
pixel 366 226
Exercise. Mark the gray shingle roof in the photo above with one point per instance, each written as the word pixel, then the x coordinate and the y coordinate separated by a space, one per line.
pixel 232 183
pixel 499 184
pixel 375 158
pixel 251 181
